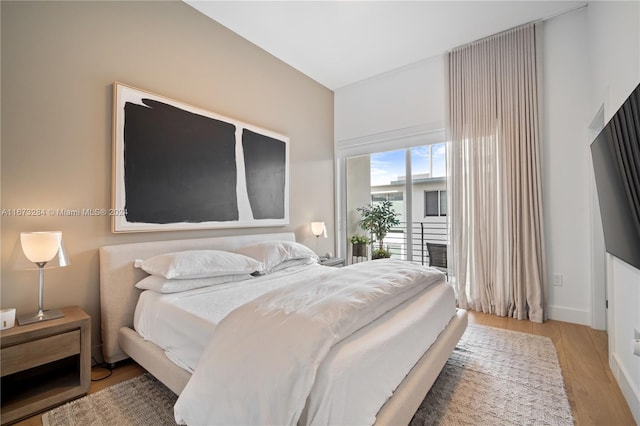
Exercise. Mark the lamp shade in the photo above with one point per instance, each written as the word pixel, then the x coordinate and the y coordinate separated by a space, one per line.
pixel 318 228
pixel 40 246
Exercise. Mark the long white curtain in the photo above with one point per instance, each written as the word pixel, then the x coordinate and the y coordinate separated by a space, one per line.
pixel 497 257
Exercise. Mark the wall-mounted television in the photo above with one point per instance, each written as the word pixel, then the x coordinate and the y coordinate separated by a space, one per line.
pixel 616 161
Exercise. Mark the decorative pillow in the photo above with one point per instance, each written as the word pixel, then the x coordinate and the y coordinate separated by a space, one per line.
pixel 162 285
pixel 273 253
pixel 199 264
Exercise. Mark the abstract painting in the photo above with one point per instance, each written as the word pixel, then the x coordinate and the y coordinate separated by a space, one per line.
pixel 180 167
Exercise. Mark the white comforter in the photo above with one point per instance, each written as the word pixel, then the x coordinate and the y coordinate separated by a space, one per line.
pixel 262 360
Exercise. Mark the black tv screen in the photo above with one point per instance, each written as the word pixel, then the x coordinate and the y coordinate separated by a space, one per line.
pixel 616 162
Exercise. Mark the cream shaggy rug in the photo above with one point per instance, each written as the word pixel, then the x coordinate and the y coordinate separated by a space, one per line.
pixel 493 377
pixel 498 377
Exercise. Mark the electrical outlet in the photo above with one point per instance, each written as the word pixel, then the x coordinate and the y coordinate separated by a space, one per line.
pixel 557 280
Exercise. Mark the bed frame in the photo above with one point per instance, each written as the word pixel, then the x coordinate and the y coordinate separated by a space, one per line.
pixel 118 298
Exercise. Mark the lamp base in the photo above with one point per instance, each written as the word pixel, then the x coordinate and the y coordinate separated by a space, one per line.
pixel 35 317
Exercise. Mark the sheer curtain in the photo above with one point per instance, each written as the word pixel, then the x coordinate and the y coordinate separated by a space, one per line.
pixel 497 242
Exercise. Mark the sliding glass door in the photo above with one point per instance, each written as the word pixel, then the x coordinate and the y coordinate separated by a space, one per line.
pixel 421 201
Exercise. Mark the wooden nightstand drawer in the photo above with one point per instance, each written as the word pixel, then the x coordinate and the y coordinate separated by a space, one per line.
pixel 44 364
pixel 38 352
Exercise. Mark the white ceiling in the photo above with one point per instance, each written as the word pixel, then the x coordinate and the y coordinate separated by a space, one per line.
pixel 341 42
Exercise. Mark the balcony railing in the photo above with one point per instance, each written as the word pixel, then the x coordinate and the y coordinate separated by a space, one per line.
pixel 411 243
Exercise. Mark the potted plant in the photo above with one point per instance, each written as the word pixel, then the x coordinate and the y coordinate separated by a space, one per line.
pixel 378 219
pixel 380 253
pixel 359 245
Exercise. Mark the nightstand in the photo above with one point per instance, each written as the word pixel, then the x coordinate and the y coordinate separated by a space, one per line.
pixel 336 262
pixel 44 364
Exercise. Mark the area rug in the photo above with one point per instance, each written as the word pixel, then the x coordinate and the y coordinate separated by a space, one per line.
pixel 498 377
pixel 493 377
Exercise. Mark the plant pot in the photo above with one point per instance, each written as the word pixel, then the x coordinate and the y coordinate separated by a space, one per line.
pixel 359 249
pixel 380 254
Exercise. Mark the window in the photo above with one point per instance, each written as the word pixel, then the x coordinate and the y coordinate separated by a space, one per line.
pixel 435 203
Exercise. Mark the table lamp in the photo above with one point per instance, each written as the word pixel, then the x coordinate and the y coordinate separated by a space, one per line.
pixel 318 228
pixel 41 248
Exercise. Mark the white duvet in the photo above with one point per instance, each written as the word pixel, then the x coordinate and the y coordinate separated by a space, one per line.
pixel 262 360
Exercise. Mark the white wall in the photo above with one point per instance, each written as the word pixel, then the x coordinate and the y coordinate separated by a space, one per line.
pixel 614 45
pixel 408 98
pixel 566 166
pixel 358 178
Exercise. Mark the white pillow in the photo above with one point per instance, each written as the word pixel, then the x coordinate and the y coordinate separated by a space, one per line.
pixel 199 264
pixel 162 285
pixel 273 253
pixel 293 262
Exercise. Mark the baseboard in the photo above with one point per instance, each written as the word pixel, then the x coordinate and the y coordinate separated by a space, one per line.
pixel 631 394
pixel 576 316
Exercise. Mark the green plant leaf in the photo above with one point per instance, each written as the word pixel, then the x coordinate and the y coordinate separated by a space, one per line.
pixel 378 219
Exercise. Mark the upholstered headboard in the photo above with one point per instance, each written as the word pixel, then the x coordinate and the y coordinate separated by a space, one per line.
pixel 118 295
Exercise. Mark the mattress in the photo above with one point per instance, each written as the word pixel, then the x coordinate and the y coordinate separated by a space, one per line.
pixel 360 372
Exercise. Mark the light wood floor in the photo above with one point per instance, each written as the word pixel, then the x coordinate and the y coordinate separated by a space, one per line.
pixel 593 393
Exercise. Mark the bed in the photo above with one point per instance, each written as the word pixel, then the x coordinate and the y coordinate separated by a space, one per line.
pixel 120 297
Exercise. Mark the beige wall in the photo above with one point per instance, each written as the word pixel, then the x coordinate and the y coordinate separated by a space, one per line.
pixel 59 62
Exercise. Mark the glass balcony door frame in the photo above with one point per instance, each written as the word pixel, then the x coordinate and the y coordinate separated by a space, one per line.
pixel 389 141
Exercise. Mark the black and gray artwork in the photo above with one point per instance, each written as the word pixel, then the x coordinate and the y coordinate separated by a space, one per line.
pixel 180 166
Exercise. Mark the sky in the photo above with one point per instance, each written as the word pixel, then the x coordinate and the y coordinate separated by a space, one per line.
pixel 389 166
